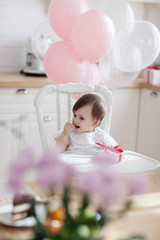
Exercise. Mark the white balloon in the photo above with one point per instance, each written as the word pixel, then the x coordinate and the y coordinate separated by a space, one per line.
pixel 119 11
pixel 157 61
pixel 128 56
pixel 42 38
pixel 136 46
pixel 112 76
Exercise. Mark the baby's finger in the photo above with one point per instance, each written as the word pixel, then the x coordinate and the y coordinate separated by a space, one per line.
pixel 71 126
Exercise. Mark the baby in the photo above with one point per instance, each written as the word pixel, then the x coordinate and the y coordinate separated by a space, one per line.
pixel 81 136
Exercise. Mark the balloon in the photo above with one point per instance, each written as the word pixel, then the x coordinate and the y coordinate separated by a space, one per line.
pixel 63 65
pixel 136 46
pixel 93 75
pixel 62 15
pixel 112 76
pixel 42 38
pixel 119 11
pixel 131 57
pixel 92 35
pixel 157 61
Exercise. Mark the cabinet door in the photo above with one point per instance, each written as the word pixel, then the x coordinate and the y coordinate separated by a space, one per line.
pixel 125 117
pixel 31 133
pixel 10 135
pixel 149 124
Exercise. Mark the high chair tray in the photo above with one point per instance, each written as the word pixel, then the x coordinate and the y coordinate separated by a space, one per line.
pixel 132 162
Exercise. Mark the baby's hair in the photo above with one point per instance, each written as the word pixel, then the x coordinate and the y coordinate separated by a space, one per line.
pixel 97 103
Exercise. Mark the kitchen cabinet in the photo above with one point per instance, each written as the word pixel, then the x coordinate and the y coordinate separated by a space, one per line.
pixel 125 117
pixel 148 137
pixel 9 140
pixel 18 124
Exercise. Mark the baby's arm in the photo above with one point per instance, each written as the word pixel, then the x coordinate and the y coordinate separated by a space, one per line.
pixel 62 140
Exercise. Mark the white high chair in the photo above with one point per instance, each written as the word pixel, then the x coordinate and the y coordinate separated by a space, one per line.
pixel 63 96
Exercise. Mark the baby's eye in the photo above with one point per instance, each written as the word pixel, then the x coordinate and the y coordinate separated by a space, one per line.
pixel 74 115
pixel 81 118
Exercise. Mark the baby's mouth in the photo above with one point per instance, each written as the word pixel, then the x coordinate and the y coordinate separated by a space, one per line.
pixel 76 126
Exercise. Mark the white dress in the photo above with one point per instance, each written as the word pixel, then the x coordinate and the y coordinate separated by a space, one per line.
pixel 85 143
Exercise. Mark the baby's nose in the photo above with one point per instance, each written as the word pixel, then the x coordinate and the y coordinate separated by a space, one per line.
pixel 75 121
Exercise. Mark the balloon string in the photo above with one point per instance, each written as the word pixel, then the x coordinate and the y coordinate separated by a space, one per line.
pixel 92 76
pixel 92 4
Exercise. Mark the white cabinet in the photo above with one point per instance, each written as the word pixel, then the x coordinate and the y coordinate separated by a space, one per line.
pixel 30 131
pixel 18 124
pixel 148 141
pixel 10 131
pixel 125 117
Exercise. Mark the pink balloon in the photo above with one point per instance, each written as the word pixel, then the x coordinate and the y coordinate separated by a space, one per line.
pixel 63 65
pixel 93 75
pixel 62 16
pixel 92 35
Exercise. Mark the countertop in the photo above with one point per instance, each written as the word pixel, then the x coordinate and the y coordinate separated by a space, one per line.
pixel 20 80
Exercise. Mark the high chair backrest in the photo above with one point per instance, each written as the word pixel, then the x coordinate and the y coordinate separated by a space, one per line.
pixel 65 94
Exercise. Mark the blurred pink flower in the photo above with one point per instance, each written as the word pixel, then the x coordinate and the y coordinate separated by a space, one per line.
pixel 15 182
pixel 106 157
pixel 103 182
pixel 111 194
pixel 23 162
pixel 51 170
pixel 138 184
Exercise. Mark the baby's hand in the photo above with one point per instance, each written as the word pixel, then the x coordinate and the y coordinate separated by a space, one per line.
pixel 67 128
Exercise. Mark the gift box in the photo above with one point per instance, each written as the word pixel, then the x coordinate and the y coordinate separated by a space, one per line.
pixel 152 75
pixel 116 150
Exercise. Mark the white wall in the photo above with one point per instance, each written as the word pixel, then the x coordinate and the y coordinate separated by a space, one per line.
pixel 19 18
pixel 147 11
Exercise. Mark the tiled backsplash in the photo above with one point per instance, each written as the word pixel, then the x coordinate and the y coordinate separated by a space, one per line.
pixel 19 18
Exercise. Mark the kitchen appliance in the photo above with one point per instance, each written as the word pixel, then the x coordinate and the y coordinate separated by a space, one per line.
pixel 37 45
pixel 34 66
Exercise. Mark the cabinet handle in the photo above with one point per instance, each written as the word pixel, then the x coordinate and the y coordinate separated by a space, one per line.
pixel 154 94
pixel 21 91
pixel 47 118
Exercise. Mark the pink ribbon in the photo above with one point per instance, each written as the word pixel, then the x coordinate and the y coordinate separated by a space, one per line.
pixel 154 67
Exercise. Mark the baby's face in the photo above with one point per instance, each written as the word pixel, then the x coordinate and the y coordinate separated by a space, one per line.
pixel 83 120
